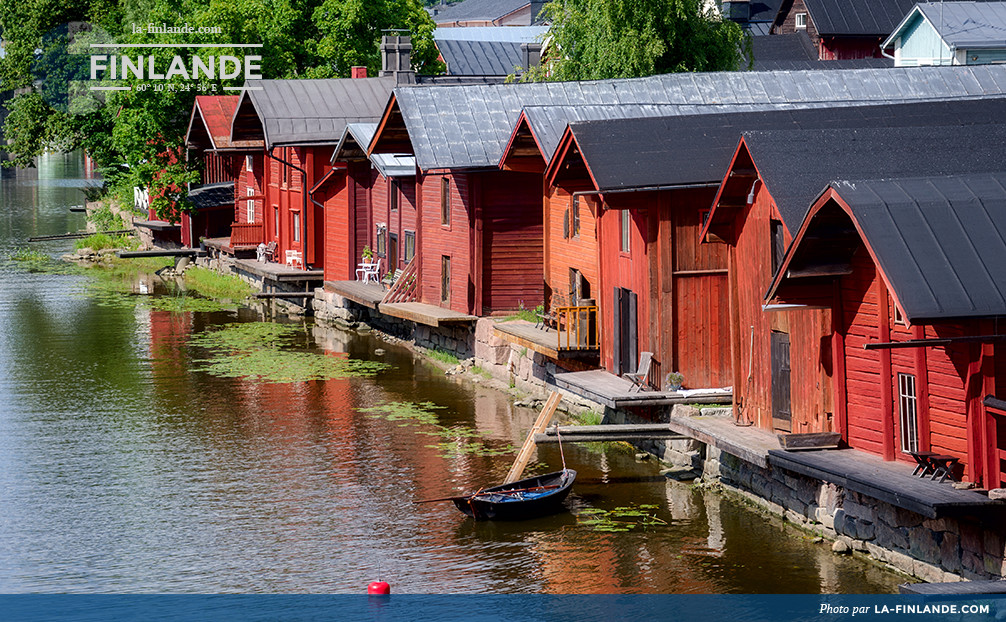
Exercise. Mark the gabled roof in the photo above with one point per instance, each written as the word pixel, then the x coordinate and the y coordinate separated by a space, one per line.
pixel 469 126
pixel 307 112
pixel 512 34
pixel 796 165
pixel 682 150
pixel 971 25
pixel 480 58
pixel 938 240
pixel 210 123
pixel 353 147
pixel 857 17
pixel 476 10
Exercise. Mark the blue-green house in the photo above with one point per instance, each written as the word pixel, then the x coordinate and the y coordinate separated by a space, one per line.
pixel 949 33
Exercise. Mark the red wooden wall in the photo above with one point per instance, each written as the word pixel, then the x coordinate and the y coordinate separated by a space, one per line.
pixel 453 240
pixel 577 252
pixel 512 244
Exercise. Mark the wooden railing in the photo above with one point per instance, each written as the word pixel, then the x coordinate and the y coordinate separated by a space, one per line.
pixel 246 234
pixel 577 327
pixel 406 287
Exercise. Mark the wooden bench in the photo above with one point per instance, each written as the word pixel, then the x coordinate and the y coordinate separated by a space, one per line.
pixel 934 465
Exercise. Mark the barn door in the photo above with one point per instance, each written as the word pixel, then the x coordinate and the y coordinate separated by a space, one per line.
pixel 782 413
pixel 625 342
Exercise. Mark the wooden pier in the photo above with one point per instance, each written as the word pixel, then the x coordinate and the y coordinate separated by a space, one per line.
pixel 607 433
pixel 162 252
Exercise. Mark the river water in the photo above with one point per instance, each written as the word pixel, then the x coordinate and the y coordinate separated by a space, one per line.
pixel 124 468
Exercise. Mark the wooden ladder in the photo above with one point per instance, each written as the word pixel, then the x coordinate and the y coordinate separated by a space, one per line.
pixel 544 418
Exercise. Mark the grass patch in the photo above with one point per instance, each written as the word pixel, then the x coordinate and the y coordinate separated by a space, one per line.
pixel 215 285
pixel 453 440
pixel 481 372
pixel 104 220
pixel 101 241
pixel 589 417
pixel 266 352
pixel 443 356
pixel 528 315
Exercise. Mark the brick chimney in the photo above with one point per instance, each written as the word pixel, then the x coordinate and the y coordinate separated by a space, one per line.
pixel 396 59
pixel 358 71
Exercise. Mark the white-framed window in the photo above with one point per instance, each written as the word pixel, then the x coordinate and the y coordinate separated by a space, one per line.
pixel 382 240
pixel 908 411
pixel 801 21
pixel 899 319
pixel 250 204
pixel 249 164
pixel 296 226
pixel 410 245
pixel 626 228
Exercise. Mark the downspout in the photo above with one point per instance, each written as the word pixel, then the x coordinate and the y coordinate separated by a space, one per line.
pixel 303 181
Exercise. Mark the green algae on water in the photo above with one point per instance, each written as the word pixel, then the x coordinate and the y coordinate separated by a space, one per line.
pixel 266 352
pixel 620 519
pixel 455 440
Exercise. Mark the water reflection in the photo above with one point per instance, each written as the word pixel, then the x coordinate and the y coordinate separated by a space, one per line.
pixel 123 468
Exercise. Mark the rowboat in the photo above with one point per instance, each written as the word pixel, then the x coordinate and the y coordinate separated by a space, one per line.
pixel 527 498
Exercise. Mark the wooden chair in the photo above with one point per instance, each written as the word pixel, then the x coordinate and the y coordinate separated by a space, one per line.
pixel 390 279
pixel 268 252
pixel 640 377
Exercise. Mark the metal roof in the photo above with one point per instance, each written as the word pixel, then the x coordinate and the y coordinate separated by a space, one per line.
pixel 359 136
pixel 796 165
pixel 968 24
pixel 797 46
pixel 822 65
pixel 212 195
pixel 512 34
pixel 469 126
pixel 940 240
pixel 480 58
pixel 315 112
pixel 640 153
pixel 476 10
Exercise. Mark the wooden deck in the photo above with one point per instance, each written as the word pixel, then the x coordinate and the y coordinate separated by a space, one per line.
pixel 422 313
pixel 277 271
pixel 891 482
pixel 157 225
pixel 546 342
pixel 746 442
pixel 366 294
pixel 614 391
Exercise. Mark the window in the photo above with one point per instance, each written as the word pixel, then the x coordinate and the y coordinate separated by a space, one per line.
pixel 574 217
pixel 445 278
pixel 286 167
pixel 249 164
pixel 626 227
pixel 296 226
pixel 801 21
pixel 393 192
pixel 275 222
pixel 250 204
pixel 909 415
pixel 445 201
pixel 410 245
pixel 898 318
pixel 778 244
pixel 382 240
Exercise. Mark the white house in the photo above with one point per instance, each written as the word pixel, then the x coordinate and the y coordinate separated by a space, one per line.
pixel 949 33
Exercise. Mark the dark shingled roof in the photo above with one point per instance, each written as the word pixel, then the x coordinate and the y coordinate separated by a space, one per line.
pixel 480 58
pixel 784 47
pixel 476 10
pixel 212 195
pixel 940 240
pixel 638 153
pixel 796 165
pixel 857 17
pixel 469 126
pixel 315 112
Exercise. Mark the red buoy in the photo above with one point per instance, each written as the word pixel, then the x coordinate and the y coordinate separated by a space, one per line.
pixel 379 588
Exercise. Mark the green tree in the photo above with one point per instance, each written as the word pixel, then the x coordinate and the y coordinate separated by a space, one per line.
pixel 135 138
pixel 601 39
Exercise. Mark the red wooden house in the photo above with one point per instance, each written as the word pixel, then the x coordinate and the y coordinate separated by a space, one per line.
pixel 842 29
pixel 223 170
pixel 369 202
pixel 299 123
pixel 910 270
pixel 782 363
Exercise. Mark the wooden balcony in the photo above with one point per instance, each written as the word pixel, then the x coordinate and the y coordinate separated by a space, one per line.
pixel 577 328
pixel 246 234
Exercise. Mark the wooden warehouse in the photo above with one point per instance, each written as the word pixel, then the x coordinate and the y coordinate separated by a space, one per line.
pixel 909 269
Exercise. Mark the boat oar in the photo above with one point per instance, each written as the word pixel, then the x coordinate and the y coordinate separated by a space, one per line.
pixel 483 494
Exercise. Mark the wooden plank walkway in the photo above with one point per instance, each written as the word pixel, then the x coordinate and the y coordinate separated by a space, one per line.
pixel 606 388
pixel 891 482
pixel 996 586
pixel 366 294
pixel 608 432
pixel 422 313
pixel 525 334
pixel 746 442
pixel 524 456
pixel 163 252
pixel 278 271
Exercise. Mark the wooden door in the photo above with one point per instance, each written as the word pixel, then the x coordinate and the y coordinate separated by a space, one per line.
pixel 392 253
pixel 782 412
pixel 625 339
pixel 996 460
